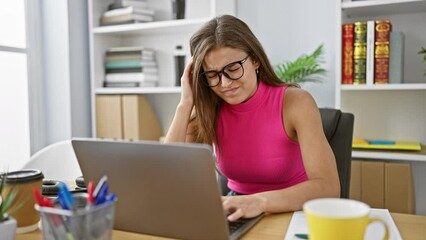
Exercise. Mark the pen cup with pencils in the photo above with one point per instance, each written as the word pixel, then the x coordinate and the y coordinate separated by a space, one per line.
pixel 82 223
pixel 85 216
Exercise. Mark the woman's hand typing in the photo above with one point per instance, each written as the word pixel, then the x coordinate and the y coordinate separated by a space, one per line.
pixel 244 206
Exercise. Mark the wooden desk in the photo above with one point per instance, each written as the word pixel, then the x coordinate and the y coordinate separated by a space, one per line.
pixel 275 226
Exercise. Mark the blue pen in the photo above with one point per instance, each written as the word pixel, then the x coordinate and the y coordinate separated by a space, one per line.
pixel 65 198
pixel 101 182
pixel 110 198
pixel 100 198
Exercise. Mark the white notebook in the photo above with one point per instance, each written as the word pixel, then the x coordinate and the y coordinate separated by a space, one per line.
pixel 298 224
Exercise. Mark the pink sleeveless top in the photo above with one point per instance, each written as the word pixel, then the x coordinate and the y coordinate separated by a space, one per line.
pixel 256 154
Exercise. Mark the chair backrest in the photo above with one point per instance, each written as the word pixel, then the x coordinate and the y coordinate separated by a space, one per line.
pixel 338 129
pixel 57 162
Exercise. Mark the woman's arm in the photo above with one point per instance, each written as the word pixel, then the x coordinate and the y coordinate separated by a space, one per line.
pixel 179 128
pixel 302 122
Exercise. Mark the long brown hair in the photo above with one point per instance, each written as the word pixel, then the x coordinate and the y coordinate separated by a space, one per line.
pixel 221 31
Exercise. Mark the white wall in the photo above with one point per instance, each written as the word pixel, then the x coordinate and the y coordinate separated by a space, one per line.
pixel 288 29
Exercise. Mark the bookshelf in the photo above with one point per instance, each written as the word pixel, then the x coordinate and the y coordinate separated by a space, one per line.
pixel 390 106
pixel 161 35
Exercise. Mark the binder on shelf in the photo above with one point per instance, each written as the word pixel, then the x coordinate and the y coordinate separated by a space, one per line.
pixel 355 188
pixel 380 183
pixel 396 57
pixel 108 116
pixel 139 120
pixel 399 188
pixel 372 183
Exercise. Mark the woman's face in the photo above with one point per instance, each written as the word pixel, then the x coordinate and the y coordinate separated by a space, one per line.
pixel 231 91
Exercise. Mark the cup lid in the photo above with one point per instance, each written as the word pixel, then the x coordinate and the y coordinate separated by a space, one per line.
pixel 22 176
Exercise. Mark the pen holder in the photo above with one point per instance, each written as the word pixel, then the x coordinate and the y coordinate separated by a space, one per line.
pixel 84 223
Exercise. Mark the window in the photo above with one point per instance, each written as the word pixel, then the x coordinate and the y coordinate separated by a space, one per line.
pixel 14 95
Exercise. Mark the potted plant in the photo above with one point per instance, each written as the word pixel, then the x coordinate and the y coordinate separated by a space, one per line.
pixel 7 223
pixel 305 68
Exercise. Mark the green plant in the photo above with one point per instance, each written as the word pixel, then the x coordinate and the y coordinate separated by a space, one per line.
pixel 305 68
pixel 6 203
pixel 423 51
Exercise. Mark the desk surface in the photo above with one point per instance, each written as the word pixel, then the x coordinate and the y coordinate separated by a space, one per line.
pixel 274 226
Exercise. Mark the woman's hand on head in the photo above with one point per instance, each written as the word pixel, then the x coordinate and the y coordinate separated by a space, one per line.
pixel 187 97
pixel 244 206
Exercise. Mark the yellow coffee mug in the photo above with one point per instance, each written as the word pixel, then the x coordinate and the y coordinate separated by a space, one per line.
pixel 338 218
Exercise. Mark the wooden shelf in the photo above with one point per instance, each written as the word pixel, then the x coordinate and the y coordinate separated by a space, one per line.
pixel 391 155
pixel 151 27
pixel 142 90
pixel 402 86
pixel 382 7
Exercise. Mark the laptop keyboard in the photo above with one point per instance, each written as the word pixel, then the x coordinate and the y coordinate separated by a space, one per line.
pixel 234 226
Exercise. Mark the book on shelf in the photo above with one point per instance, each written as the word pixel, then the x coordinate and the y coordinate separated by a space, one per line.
pixel 130 64
pixel 135 3
pixel 372 49
pixel 381 53
pixel 129 84
pixel 396 57
pixel 369 75
pixel 131 77
pixel 130 80
pixel 128 9
pixel 132 70
pixel 132 49
pixel 347 53
pixel 360 52
pixel 131 56
pixel 125 15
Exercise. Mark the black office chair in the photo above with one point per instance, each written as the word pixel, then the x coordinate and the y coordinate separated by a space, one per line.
pixel 338 128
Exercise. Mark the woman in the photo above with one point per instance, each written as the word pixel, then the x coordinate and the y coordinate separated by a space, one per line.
pixel 268 135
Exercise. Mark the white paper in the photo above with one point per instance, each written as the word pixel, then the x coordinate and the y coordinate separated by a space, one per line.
pixel 374 231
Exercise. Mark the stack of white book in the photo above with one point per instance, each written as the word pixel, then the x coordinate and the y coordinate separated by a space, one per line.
pixel 130 67
pixel 131 11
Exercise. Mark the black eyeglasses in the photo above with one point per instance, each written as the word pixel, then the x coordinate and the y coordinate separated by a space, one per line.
pixel 232 71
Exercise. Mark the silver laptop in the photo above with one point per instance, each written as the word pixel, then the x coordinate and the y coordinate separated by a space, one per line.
pixel 163 189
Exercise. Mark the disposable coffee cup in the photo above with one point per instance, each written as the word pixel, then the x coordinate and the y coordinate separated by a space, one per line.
pixel 24 181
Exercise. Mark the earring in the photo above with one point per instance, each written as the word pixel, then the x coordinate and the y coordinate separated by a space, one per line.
pixel 257 70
